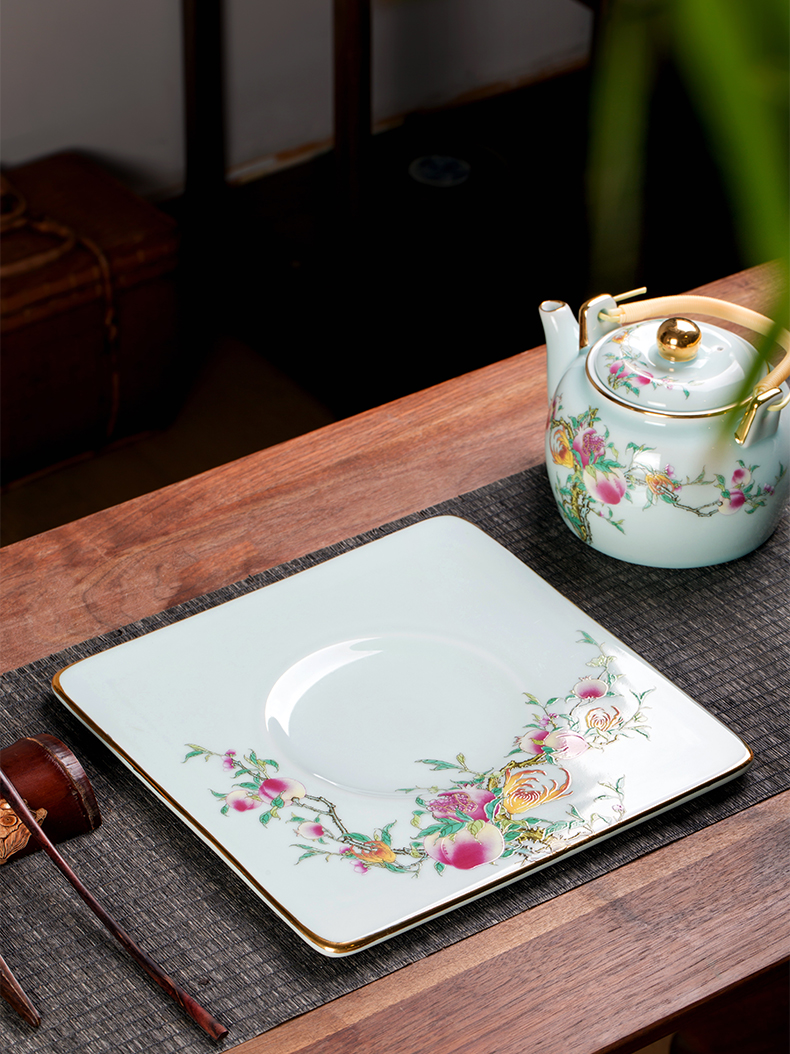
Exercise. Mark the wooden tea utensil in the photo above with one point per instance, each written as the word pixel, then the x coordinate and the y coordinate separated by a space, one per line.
pixel 198 1014
pixel 59 794
pixel 56 788
pixel 13 993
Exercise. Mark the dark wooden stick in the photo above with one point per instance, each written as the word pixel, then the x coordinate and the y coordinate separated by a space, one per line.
pixel 195 1011
pixel 13 993
pixel 352 109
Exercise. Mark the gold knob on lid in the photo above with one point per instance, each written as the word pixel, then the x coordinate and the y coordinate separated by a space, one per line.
pixel 678 339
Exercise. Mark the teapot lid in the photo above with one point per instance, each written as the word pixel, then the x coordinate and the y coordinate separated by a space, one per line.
pixel 672 366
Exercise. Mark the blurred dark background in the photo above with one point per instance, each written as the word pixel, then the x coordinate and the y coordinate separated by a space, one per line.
pixel 364 274
pixel 439 280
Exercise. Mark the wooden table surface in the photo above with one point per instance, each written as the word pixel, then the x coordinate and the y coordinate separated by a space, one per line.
pixel 608 966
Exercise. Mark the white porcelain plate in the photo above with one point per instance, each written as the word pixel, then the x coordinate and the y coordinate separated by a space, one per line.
pixel 398 730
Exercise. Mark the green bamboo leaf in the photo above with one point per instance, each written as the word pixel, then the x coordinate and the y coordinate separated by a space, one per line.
pixel 729 54
pixel 618 123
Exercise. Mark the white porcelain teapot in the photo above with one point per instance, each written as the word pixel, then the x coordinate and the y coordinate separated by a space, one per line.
pixel 653 455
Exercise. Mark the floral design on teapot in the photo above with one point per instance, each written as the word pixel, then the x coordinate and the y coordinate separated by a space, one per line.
pixel 599 479
pixel 625 371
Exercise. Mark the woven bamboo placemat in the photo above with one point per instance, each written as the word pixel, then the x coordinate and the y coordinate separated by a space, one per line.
pixel 720 633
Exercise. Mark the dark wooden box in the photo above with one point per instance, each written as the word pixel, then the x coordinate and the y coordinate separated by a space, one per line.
pixel 88 305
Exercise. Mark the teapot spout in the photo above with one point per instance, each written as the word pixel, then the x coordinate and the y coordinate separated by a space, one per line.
pixel 562 340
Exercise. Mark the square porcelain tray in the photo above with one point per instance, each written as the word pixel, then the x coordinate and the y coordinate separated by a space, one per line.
pixel 397 731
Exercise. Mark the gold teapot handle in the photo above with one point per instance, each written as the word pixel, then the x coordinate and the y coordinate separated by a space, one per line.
pixel 767 388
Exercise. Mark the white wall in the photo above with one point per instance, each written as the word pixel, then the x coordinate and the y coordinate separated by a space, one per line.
pixel 98 75
pixel 105 75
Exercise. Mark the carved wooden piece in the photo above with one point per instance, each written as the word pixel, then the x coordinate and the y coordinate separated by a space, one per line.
pixel 53 782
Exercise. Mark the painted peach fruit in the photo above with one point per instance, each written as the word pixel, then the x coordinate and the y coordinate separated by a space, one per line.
pixel 281 787
pixel 241 801
pixel 477 843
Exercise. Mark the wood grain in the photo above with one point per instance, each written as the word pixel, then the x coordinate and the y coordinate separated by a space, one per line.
pixel 609 966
